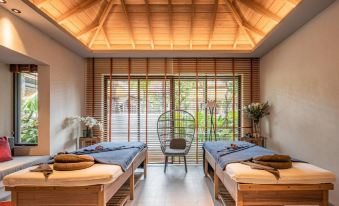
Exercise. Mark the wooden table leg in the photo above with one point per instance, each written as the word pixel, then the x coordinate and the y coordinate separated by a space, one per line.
pixel 216 185
pixel 145 168
pixel 325 198
pixel 206 167
pixel 131 186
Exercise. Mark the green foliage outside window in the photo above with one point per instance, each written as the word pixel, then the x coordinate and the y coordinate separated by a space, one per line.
pixel 29 119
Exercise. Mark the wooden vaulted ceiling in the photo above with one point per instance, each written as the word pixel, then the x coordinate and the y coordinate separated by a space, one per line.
pixel 168 24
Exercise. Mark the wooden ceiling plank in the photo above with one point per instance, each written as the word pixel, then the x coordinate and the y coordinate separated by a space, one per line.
pixel 292 3
pixel 149 20
pixel 129 27
pixel 102 20
pixel 76 9
pixel 261 10
pixel 215 10
pixel 240 19
pixel 170 16
pixel 192 21
pixel 42 3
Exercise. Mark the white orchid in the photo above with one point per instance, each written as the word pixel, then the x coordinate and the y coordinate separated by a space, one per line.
pixel 89 122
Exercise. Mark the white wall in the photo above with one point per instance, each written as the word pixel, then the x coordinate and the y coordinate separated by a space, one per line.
pixel 6 99
pixel 300 78
pixel 66 79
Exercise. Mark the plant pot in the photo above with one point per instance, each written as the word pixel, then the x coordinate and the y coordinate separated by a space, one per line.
pixel 87 133
pixel 256 128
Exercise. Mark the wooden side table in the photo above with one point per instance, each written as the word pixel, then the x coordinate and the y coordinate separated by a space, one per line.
pixel 260 141
pixel 88 141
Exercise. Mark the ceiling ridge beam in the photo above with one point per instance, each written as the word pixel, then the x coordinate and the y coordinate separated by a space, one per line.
pixel 261 10
pixel 240 18
pixel 76 9
pixel 149 20
pixel 240 21
pixel 102 21
pixel 214 17
pixel 129 27
pixel 87 29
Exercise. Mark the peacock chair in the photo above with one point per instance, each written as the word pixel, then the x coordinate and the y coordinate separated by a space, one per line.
pixel 176 130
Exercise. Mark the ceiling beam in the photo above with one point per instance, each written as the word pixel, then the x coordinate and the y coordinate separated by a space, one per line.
pixel 214 17
pixel 129 27
pixel 87 29
pixel 149 20
pixel 192 20
pixel 76 9
pixel 102 21
pixel 170 16
pixel 261 10
pixel 108 44
pixel 239 18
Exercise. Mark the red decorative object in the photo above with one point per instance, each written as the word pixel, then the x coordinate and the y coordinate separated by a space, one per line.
pixel 5 154
pixel 5 203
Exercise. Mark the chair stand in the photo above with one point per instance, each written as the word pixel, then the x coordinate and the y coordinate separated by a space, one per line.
pixel 166 163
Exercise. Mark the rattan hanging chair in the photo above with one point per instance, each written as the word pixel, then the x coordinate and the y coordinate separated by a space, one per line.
pixel 176 130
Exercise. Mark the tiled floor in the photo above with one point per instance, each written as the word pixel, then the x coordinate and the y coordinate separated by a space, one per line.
pixel 175 188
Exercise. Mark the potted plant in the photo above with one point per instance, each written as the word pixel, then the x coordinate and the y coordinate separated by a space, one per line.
pixel 89 123
pixel 255 112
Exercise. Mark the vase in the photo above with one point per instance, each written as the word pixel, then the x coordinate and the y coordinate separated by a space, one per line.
pixel 87 132
pixel 256 128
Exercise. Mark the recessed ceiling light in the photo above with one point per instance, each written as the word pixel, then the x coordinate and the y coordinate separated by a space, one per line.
pixel 3 1
pixel 16 11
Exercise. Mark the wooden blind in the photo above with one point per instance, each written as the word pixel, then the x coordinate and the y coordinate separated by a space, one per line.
pixel 129 94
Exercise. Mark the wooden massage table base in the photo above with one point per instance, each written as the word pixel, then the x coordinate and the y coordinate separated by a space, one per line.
pixel 267 194
pixel 94 195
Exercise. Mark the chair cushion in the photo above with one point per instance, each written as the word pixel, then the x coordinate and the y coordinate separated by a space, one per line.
pixel 5 154
pixel 170 151
pixel 179 143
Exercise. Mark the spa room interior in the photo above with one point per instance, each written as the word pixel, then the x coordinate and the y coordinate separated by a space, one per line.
pixel 169 102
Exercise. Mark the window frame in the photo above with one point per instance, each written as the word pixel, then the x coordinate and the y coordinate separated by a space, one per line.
pixel 17 111
pixel 172 80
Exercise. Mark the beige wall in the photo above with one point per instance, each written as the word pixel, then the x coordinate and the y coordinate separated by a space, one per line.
pixel 6 108
pixel 65 82
pixel 300 78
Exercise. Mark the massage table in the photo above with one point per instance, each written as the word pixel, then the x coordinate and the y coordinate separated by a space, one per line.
pixel 303 184
pixel 93 186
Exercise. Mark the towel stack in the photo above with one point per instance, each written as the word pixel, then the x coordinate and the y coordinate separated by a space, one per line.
pixel 274 161
pixel 69 162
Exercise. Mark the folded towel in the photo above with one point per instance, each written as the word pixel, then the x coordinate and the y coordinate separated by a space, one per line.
pixel 72 158
pixel 273 158
pixel 72 166
pixel 44 168
pixel 271 170
pixel 275 165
